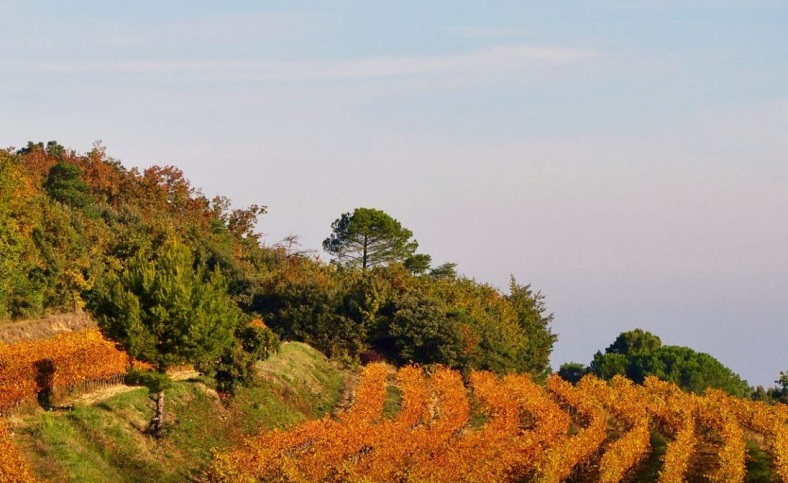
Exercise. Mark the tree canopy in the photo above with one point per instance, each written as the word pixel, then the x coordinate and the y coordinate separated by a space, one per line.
pixel 638 354
pixel 369 237
pixel 164 312
pixel 65 185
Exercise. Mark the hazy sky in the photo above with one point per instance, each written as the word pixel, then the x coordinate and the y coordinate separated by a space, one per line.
pixel 627 158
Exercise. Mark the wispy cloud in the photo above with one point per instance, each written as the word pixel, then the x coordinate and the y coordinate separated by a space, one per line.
pixel 684 5
pixel 498 58
pixel 105 34
pixel 489 32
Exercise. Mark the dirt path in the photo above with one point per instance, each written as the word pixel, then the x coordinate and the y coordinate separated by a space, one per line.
pixel 348 392
pixel 98 395
pixel 107 392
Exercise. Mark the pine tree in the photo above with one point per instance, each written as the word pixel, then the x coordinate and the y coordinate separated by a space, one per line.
pixel 163 311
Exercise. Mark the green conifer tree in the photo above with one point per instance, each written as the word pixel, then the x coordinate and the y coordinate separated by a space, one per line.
pixel 163 311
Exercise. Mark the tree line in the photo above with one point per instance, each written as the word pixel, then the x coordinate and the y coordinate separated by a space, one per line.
pixel 639 354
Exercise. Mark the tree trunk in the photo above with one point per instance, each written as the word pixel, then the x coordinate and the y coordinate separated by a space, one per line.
pixel 364 257
pixel 157 423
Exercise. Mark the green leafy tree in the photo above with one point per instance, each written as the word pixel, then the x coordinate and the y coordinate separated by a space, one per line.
pixel 778 393
pixel 21 289
pixel 608 365
pixel 164 312
pixel 638 354
pixel 634 342
pixel 369 237
pixel 419 330
pixel 314 312
pixel 572 372
pixel 64 184
pixel 535 322
pixel 236 365
pixel 418 263
pixel 447 270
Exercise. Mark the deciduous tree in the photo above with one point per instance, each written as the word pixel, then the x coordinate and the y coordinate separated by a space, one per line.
pixel 535 322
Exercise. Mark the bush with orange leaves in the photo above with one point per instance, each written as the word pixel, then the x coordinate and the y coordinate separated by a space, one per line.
pixel 560 460
pixel 771 424
pixel 623 400
pixel 13 469
pixel 64 363
pixel 675 410
pixel 713 413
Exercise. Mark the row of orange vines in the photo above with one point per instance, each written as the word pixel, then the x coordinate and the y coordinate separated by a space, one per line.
pixel 63 362
pixel 74 360
pixel 569 451
pixel 12 467
pixel 763 419
pixel 675 409
pixel 624 400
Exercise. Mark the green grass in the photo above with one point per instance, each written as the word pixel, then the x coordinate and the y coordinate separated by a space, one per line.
pixel 297 384
pixel 392 404
pixel 648 469
pixel 88 444
pixel 760 466
pixel 106 441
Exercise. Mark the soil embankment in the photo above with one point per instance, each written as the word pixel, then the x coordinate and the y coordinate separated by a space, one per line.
pixel 43 328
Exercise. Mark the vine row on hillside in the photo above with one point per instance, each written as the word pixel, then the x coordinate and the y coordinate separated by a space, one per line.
pixel 67 363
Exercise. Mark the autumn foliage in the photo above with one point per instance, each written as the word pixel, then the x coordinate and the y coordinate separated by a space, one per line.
pixel 66 363
pixel 510 429
pixel 12 467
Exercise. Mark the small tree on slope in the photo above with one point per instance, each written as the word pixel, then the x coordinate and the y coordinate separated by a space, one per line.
pixel 163 311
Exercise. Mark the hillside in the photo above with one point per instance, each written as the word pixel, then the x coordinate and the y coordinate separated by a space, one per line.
pixel 173 280
pixel 73 227
pixel 103 440
pixel 447 429
pixel 412 424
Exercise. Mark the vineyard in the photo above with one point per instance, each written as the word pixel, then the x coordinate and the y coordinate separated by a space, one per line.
pixel 67 363
pixel 12 467
pixel 511 429
pixel 430 424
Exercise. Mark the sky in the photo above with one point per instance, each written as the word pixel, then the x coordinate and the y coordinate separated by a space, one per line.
pixel 627 159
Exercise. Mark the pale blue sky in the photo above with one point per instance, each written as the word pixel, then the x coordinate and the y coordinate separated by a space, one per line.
pixel 629 159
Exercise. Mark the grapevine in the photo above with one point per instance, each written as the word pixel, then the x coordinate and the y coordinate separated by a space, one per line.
pixel 13 469
pixel 625 402
pixel 67 363
pixel 561 459
pixel 676 410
